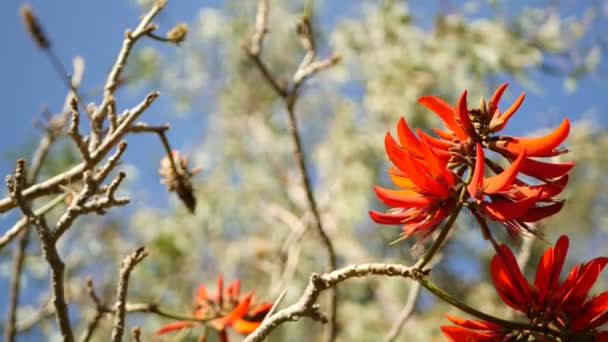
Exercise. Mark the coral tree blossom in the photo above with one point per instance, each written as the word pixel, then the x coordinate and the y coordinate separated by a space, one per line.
pixel 431 171
pixel 563 306
pixel 224 309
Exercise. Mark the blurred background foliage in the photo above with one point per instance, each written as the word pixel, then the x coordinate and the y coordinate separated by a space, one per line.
pixel 251 219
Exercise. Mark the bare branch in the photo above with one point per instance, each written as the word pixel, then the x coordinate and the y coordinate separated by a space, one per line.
pixel 410 305
pixel 126 267
pixel 74 132
pixel 136 333
pixel 306 307
pixel 308 67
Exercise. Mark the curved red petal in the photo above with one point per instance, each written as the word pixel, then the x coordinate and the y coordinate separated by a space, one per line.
pixel 496 97
pixel 463 114
pixel 506 211
pixel 445 112
pixel 580 289
pixel 237 313
pixel 539 146
pixel 476 186
pixel 544 270
pixel 504 179
pixel 202 295
pixel 388 218
pixel 444 134
pixel 407 137
pixel 402 198
pixel 543 170
pixel 245 326
pixel 173 326
pixel 260 309
pixel 500 122
pixel 536 214
pixel 592 311
pixel 458 334
pixel 544 191
pixel 509 282
pixel 473 324
pixel 437 143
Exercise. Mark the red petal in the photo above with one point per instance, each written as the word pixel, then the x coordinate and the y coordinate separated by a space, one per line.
pixel 542 170
pixel 592 311
pixel 496 97
pixel 173 326
pixel 463 114
pixel 444 134
pixel 505 211
pixel 445 112
pixel 544 272
pixel 402 198
pixel 506 288
pixel 579 291
pixel 202 295
pixel 500 122
pixel 407 137
pixel 473 324
pixel 384 218
pixel 458 334
pixel 537 147
pixel 544 191
pixel 536 214
pixel 437 143
pixel 504 179
pixel 476 186
pixel 261 309
pixel 244 326
pixel 237 313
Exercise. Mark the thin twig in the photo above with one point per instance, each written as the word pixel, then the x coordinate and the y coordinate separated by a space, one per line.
pixel 52 130
pixel 136 333
pixel 306 307
pixel 290 94
pixel 126 266
pixel 408 309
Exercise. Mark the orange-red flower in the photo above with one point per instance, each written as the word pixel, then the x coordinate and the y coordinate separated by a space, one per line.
pixel 224 309
pixel 481 125
pixel 426 186
pixel 429 170
pixel 563 306
pixel 508 200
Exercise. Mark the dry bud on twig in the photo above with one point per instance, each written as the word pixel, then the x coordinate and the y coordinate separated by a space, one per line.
pixel 177 177
pixel 178 33
pixel 34 28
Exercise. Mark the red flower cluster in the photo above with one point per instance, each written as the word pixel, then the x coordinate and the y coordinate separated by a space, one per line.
pixel 223 310
pixel 560 306
pixel 430 171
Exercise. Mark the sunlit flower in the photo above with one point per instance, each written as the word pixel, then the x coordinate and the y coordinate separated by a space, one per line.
pixel 481 125
pixel 510 201
pixel 430 171
pixel 563 306
pixel 224 309
pixel 426 195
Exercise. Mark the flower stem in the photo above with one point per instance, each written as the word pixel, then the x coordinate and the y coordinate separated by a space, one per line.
pixel 429 285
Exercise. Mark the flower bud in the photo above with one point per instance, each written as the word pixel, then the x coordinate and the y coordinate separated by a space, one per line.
pixel 34 28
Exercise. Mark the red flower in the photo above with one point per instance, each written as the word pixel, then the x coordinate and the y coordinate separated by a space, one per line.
pixel 548 302
pixel 428 170
pixel 225 309
pixel 480 125
pixel 508 200
pixel 426 194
